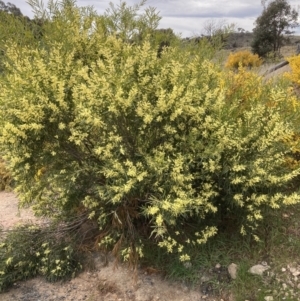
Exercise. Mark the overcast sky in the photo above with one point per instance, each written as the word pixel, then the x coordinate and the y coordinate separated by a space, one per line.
pixel 187 16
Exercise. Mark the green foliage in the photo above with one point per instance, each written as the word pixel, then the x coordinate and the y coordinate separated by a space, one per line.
pixel 279 246
pixel 147 145
pixel 276 20
pixel 16 28
pixel 243 58
pixel 128 24
pixel 29 250
pixel 5 176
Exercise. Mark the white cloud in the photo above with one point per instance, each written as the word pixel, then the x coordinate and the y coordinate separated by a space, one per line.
pixel 186 17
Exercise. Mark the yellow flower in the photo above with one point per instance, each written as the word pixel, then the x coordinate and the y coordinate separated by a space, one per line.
pixel 184 257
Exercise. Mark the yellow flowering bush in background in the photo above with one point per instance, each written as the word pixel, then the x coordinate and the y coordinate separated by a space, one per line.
pixel 294 75
pixel 246 88
pixel 243 58
pixel 147 145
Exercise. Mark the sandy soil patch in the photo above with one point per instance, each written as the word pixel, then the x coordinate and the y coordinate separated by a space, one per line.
pixel 103 282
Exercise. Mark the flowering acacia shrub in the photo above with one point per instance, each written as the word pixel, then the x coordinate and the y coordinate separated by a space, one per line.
pixel 243 58
pixel 294 75
pixel 147 146
pixel 29 250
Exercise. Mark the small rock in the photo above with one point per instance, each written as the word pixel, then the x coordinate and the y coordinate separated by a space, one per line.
pixel 218 266
pixel 269 298
pixel 187 265
pixel 129 294
pixel 258 269
pixel 290 283
pixel 297 273
pixel 298 286
pixel 293 270
pixel 232 270
pixel 283 270
pixel 284 286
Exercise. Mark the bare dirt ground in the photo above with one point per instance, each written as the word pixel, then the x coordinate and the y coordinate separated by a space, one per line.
pixel 102 283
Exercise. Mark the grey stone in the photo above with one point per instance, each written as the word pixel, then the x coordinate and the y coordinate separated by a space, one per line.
pixel 293 270
pixel 269 298
pixel 258 269
pixel 205 278
pixel 284 286
pixel 187 265
pixel 296 273
pixel 232 270
pixel 290 283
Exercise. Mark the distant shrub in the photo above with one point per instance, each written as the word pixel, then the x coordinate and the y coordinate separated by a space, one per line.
pixel 294 75
pixel 243 58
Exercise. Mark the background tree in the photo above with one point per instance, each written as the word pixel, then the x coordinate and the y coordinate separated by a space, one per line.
pixel 276 20
pixel 217 32
pixel 129 23
pixel 213 27
pixel 10 8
